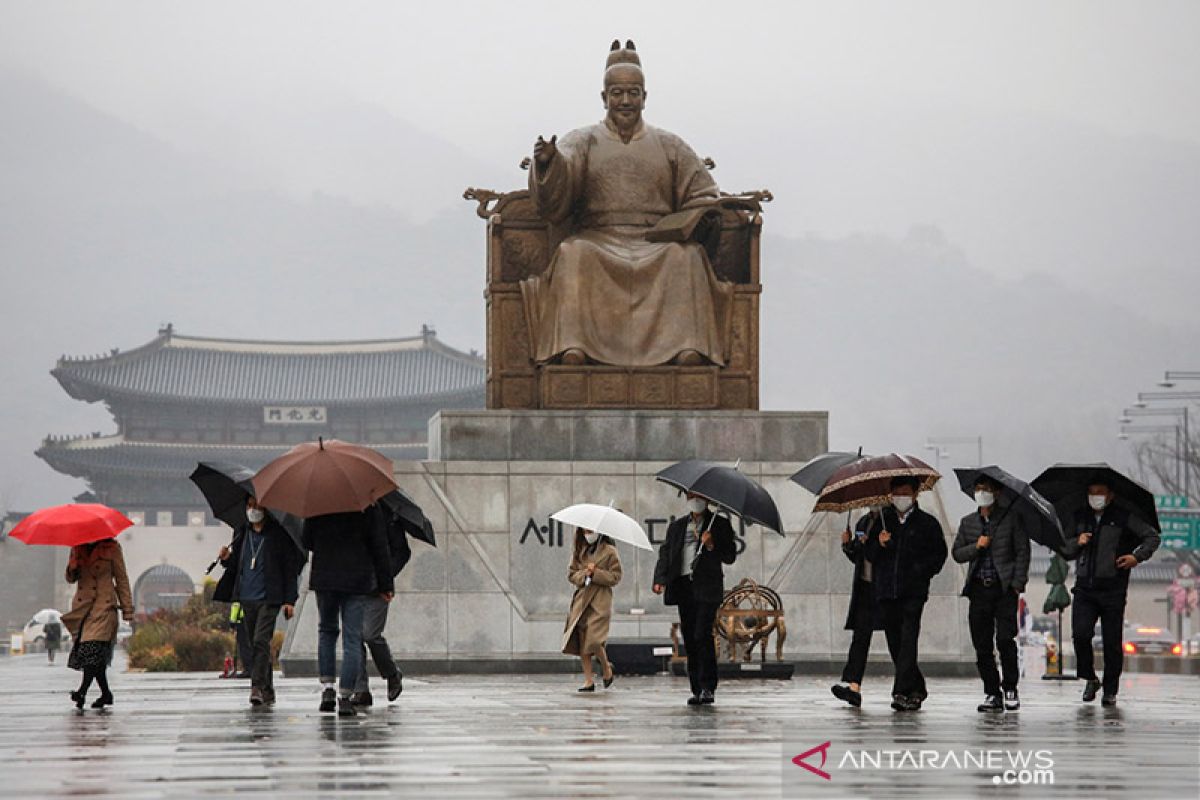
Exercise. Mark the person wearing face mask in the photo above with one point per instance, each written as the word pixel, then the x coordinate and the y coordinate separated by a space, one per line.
pixel 905 555
pixel 689 575
pixel 862 618
pixel 262 567
pixel 595 569
pixel 994 545
pixel 1109 542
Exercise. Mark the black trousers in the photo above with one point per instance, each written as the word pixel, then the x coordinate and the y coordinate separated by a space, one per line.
pixel 245 644
pixel 1107 605
pixel 863 628
pixel 992 617
pixel 260 624
pixel 902 626
pixel 696 620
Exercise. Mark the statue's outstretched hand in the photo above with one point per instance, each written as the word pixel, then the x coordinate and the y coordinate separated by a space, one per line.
pixel 543 151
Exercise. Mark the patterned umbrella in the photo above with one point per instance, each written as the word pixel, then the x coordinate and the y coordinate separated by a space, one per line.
pixel 867 481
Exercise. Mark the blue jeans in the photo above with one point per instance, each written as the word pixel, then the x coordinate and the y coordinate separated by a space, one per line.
pixel 349 607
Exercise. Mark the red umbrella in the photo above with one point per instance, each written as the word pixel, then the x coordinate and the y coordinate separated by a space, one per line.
pixel 324 477
pixel 866 481
pixel 71 524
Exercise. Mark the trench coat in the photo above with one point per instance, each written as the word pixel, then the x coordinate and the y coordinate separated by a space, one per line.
pixel 103 588
pixel 591 606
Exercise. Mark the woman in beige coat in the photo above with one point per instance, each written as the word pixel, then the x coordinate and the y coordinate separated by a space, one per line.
pixel 99 570
pixel 595 569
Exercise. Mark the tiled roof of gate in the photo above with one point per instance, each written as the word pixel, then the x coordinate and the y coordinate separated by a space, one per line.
pixel 175 367
pixel 86 456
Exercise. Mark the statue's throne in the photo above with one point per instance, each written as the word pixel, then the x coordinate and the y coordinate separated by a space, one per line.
pixel 520 244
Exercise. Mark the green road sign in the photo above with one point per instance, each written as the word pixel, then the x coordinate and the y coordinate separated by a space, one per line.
pixel 1180 532
pixel 1165 502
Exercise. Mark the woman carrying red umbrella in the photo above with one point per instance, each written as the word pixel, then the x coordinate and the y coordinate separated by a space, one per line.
pixel 98 567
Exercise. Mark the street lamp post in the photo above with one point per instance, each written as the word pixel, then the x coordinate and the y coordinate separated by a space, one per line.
pixel 942 441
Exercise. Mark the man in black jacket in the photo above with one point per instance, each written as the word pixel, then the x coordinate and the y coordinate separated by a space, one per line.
pixel 689 575
pixel 993 541
pixel 862 618
pixel 904 557
pixel 350 561
pixel 375 614
pixel 261 572
pixel 1108 542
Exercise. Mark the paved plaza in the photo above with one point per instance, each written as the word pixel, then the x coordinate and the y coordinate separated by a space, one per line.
pixel 193 735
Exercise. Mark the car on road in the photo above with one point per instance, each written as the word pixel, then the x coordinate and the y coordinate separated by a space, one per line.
pixel 34 635
pixel 1150 641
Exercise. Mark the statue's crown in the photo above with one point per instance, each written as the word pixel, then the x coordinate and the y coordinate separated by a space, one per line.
pixel 622 55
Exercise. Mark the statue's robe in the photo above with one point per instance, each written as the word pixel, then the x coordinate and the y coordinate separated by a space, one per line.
pixel 608 291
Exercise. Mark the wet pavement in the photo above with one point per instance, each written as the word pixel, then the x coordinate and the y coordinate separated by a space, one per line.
pixel 532 736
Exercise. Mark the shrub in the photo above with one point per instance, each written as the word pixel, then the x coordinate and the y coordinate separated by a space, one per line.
pixel 148 637
pixel 162 659
pixel 199 650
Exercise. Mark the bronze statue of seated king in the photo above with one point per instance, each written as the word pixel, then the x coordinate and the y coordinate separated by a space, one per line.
pixel 622 277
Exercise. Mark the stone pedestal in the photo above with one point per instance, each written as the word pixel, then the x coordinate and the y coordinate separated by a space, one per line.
pixel 494 594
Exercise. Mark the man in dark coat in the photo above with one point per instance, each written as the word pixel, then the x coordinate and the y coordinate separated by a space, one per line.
pixel 1108 542
pixel 350 561
pixel 375 614
pixel 904 556
pixel 993 542
pixel 863 615
pixel 689 575
pixel 261 571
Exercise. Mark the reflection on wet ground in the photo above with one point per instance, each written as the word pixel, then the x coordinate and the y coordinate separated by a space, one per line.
pixel 533 736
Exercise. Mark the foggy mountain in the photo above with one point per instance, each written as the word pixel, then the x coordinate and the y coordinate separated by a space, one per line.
pixel 106 232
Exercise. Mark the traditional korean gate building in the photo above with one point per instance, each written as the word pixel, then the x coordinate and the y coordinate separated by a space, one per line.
pixel 178 400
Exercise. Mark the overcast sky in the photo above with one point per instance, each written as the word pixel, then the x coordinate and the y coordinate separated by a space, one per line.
pixel 1050 144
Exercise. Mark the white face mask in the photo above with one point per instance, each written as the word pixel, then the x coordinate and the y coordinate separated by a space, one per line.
pixel 1097 501
pixel 902 502
pixel 984 498
pixel 255 515
pixel 697 505
pixel 591 538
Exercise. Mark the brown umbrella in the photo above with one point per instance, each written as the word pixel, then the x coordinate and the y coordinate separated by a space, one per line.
pixel 324 477
pixel 867 481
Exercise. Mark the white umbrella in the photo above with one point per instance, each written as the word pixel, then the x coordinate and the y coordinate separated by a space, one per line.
pixel 606 520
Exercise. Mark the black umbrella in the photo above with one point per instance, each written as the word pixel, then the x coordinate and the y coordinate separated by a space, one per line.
pixel 226 486
pixel 1038 514
pixel 728 488
pixel 815 474
pixel 412 519
pixel 1065 485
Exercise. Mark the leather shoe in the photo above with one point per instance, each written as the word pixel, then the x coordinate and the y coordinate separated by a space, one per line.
pixel 328 701
pixel 256 696
pixel 591 687
pixel 694 700
pixel 847 694
pixel 395 685
pixel 707 698
pixel 1089 690
pixel 1109 700
pixel 362 699
pixel 345 708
